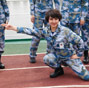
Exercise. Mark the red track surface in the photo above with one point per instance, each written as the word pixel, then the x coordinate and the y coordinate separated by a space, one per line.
pixel 34 77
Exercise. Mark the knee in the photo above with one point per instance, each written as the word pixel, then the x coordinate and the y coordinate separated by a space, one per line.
pixel 49 58
pixel 86 76
pixel 46 59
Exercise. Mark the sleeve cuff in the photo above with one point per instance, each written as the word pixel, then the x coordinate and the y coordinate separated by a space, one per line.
pixel 79 54
pixel 19 29
pixel 82 18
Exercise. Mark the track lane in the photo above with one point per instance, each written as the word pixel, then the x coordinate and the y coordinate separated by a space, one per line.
pixel 19 73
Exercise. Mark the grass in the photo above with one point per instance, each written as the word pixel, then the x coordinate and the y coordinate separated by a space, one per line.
pixel 22 47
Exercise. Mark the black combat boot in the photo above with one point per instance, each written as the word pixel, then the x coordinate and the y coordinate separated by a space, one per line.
pixel 86 58
pixel 58 71
pixel 64 64
pixel 32 60
pixel 2 66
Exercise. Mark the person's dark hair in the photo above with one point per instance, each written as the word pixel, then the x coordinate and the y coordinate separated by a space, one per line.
pixel 54 13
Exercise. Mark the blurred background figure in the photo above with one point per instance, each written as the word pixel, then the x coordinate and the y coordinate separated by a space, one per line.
pixel 38 9
pixel 4 18
pixel 74 14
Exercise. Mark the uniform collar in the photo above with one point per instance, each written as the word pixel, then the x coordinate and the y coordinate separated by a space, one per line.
pixel 56 32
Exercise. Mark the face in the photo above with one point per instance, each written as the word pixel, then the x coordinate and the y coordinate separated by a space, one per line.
pixel 53 22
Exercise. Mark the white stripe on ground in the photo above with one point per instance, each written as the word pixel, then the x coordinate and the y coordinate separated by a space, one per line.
pixel 64 86
pixel 21 54
pixel 25 68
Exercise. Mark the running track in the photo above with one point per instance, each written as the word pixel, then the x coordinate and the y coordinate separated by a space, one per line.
pixel 19 73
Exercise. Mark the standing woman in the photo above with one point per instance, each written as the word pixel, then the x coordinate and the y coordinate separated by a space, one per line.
pixel 4 18
pixel 85 37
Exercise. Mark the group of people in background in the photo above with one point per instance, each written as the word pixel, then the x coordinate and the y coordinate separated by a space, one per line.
pixel 66 33
pixel 75 15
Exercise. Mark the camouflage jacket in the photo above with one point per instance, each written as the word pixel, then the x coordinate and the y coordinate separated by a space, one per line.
pixel 59 41
pixel 74 10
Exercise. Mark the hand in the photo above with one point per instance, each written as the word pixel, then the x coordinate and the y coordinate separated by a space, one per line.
pixel 9 27
pixel 74 56
pixel 32 18
pixel 82 22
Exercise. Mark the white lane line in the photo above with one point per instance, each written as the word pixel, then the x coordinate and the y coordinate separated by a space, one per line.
pixel 21 54
pixel 29 68
pixel 23 68
pixel 64 86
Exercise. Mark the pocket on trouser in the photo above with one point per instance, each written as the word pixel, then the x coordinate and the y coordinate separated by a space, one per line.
pixel 78 67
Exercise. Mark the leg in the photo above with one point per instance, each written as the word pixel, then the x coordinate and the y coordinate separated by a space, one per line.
pixel 2 44
pixel 86 58
pixel 33 49
pixel 75 27
pixel 85 37
pixel 35 41
pixel 52 61
pixel 78 67
pixel 2 66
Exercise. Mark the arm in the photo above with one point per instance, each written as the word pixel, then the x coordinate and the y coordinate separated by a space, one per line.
pixel 75 40
pixel 24 30
pixel 57 4
pixel 6 9
pixel 84 7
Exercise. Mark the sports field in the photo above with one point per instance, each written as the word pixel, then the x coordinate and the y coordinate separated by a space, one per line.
pixel 19 73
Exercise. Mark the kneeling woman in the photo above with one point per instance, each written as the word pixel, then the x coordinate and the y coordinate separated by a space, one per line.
pixel 59 40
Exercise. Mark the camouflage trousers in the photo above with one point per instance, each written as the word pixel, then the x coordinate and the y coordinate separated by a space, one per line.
pixel 39 23
pixel 85 35
pixel 75 27
pixel 2 40
pixel 75 64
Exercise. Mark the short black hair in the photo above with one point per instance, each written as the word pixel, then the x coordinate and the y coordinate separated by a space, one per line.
pixel 54 13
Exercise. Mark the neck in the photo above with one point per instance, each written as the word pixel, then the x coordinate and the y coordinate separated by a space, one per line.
pixel 53 29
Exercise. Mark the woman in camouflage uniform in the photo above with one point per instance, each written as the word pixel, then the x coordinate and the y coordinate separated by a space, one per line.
pixel 59 38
